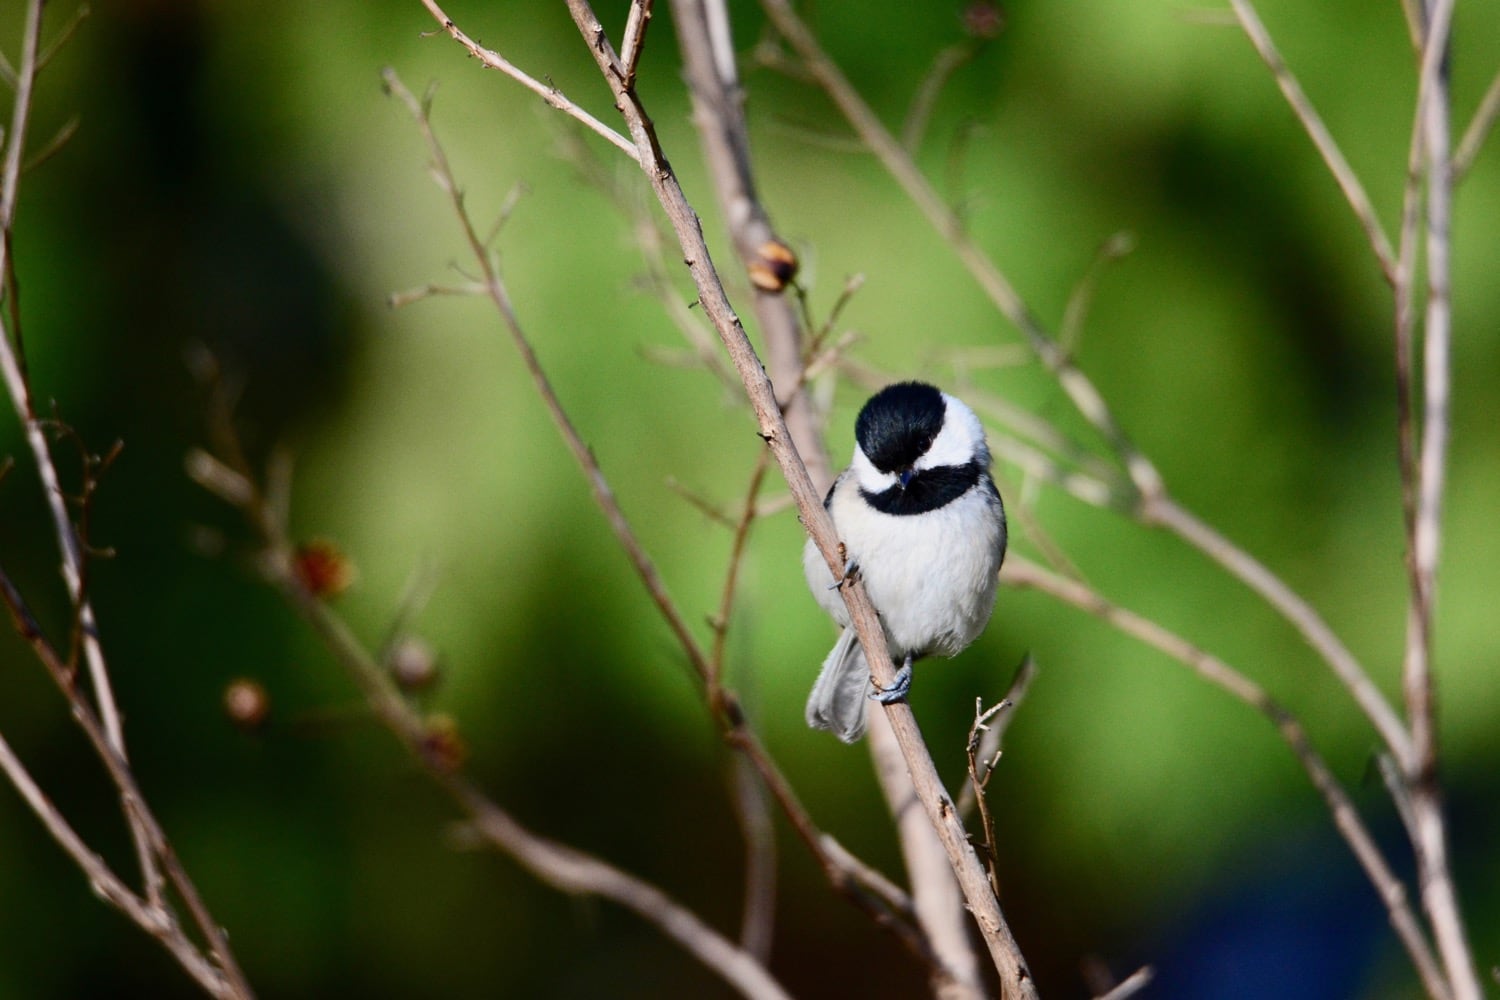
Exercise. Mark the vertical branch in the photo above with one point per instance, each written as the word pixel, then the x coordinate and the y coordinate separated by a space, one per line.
pixel 1016 980
pixel 719 116
pixel 752 809
pixel 936 896
pixel 1437 336
pixel 13 371
pixel 1435 873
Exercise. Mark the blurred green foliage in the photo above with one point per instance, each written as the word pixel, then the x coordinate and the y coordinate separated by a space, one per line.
pixel 239 181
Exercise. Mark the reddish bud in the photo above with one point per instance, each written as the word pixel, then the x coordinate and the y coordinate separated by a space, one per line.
pixel 983 20
pixel 443 745
pixel 322 568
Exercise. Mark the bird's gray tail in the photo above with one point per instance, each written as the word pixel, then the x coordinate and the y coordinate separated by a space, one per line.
pixel 841 695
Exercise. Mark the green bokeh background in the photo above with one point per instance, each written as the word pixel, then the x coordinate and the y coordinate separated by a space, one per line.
pixel 239 181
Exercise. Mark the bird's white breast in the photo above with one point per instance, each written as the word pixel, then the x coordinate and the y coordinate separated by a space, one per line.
pixel 931 576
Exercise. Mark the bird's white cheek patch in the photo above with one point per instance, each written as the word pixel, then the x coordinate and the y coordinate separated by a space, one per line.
pixel 869 478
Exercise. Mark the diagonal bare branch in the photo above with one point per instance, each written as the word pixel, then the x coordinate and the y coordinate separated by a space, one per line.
pixel 1312 123
pixel 1021 572
pixel 554 97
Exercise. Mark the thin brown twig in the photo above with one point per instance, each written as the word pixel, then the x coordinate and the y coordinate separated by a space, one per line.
pixel 64 36
pixel 152 913
pixel 13 372
pixel 993 734
pixel 748 515
pixel 1477 132
pixel 1021 572
pixel 1118 245
pixel 981 769
pixel 554 97
pixel 1167 513
pixel 570 870
pixel 634 40
pixel 947 62
pixel 1327 146
pixel 107 885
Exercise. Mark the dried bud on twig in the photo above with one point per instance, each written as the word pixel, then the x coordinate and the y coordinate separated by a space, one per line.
pixel 247 704
pixel 323 568
pixel 984 20
pixel 774 266
pixel 444 746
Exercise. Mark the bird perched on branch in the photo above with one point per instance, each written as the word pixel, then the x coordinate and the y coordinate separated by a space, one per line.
pixel 922 525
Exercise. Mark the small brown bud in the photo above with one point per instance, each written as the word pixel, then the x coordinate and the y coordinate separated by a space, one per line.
pixel 984 20
pixel 412 663
pixel 323 568
pixel 443 745
pixel 774 266
pixel 247 704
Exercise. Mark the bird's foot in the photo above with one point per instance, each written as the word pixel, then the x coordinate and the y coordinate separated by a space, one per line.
pixel 898 689
pixel 850 568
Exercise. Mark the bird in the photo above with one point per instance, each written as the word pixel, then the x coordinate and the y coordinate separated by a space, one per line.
pixel 922 524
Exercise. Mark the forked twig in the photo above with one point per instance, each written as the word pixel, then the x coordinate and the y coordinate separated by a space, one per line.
pixel 554 97
pixel 981 768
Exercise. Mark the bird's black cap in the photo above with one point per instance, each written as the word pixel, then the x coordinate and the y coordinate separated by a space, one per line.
pixel 899 423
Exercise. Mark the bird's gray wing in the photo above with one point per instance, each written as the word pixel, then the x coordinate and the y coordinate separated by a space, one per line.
pixel 841 696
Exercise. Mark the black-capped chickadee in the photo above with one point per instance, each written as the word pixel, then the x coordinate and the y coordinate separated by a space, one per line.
pixel 923 526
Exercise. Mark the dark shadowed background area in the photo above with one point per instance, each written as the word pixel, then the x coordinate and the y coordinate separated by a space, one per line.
pixel 240 182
